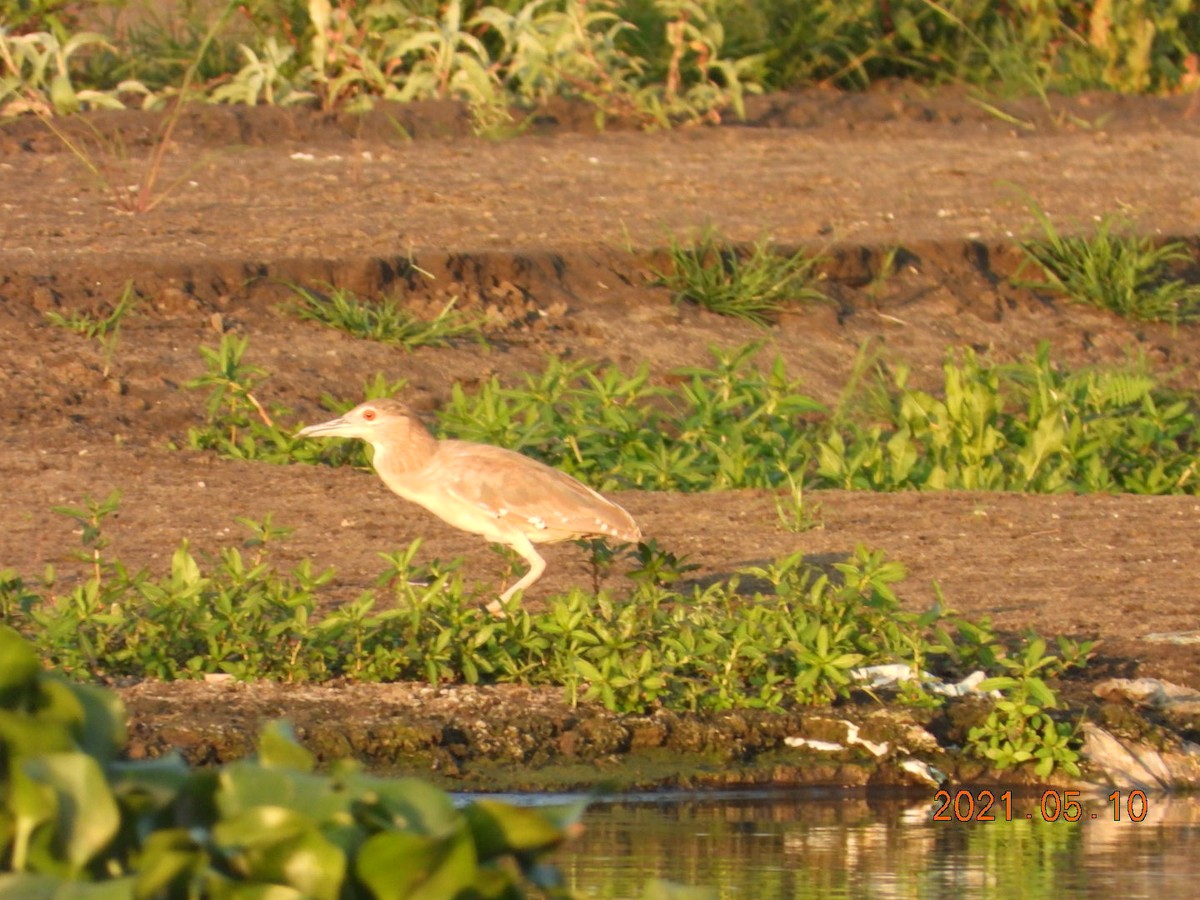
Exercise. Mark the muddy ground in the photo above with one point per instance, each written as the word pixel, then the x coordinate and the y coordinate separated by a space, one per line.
pixel 552 233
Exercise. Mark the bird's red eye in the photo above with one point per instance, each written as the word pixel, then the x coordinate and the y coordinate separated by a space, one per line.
pixel 369 415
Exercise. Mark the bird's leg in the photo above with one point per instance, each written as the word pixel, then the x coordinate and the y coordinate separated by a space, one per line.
pixel 537 566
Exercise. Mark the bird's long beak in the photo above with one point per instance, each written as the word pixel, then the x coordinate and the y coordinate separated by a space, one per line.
pixel 333 428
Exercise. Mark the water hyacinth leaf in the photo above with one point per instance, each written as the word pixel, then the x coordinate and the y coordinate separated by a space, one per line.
pixel 51 731
pixel 500 828
pixel 19 668
pixel 170 862
pixel 48 887
pixel 31 805
pixel 227 889
pixel 149 784
pixel 87 815
pixel 102 732
pixel 404 866
pixel 245 786
pixel 281 846
pixel 278 749
pixel 414 805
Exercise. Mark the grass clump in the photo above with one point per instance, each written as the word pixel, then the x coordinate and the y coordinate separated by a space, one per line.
pixel 756 284
pixel 1123 273
pixel 384 320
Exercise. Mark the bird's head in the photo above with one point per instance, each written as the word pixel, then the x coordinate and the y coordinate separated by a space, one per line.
pixel 368 421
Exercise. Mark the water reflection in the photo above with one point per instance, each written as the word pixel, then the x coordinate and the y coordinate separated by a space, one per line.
pixel 811 844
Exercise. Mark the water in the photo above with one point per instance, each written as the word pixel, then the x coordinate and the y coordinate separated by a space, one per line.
pixel 825 844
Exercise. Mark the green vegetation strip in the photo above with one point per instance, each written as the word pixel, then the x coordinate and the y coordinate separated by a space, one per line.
pixel 773 637
pixel 1029 426
pixel 657 62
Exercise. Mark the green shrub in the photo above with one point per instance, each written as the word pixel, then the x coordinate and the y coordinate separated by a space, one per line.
pixel 1030 426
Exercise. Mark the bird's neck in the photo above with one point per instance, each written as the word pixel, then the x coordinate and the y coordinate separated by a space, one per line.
pixel 405 447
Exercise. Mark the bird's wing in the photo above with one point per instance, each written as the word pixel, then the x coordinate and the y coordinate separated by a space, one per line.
pixel 546 504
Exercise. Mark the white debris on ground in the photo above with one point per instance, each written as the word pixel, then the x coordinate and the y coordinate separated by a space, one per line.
pixel 895 675
pixel 915 738
pixel 923 771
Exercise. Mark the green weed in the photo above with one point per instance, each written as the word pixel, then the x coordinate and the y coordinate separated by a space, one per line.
pixel 792 511
pixel 721 426
pixel 105 331
pixel 755 284
pixel 1029 426
pixel 90 519
pixel 240 426
pixel 384 320
pixel 1020 728
pixel 36 75
pixel 1126 274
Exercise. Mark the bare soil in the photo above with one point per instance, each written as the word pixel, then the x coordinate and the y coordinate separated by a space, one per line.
pixel 553 234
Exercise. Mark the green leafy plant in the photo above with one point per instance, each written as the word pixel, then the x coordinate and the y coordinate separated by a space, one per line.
pixel 35 75
pixel 90 519
pixel 76 819
pixel 791 510
pixel 777 636
pixel 346 57
pixel 588 49
pixel 240 426
pixel 724 425
pixel 105 331
pixel 263 79
pixel 448 60
pixel 755 284
pixel 1020 729
pixel 1126 274
pixel 1030 425
pixel 231 385
pixel 384 320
